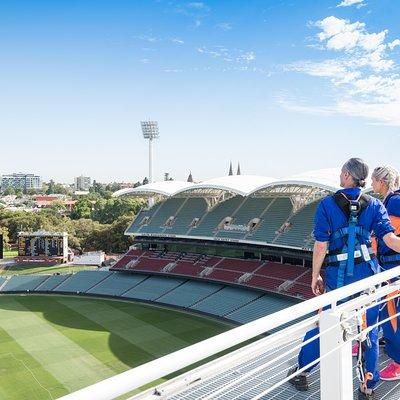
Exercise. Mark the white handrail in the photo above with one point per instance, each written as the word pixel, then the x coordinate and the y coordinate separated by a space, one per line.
pixel 127 381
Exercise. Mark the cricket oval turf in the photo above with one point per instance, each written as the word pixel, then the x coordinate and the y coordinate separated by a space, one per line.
pixel 54 345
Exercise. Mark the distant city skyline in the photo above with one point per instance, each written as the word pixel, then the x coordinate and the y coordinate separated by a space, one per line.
pixel 279 87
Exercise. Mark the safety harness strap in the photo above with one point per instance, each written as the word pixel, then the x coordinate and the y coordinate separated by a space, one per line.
pixel 333 260
pixel 391 308
pixel 352 210
pixel 342 232
pixel 390 258
pixel 343 203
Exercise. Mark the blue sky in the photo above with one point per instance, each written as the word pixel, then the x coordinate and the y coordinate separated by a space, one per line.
pixel 281 86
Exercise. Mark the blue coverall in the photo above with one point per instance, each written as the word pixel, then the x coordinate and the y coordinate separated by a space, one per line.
pixel 392 338
pixel 329 218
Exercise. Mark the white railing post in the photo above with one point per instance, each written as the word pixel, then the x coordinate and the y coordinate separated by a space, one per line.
pixel 336 372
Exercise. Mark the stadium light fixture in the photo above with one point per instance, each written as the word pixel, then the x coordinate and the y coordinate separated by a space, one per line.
pixel 150 132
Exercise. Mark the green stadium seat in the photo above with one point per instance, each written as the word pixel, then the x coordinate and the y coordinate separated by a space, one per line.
pixel 226 301
pixel 209 223
pixel 189 293
pixel 301 226
pixel 20 283
pixel 278 212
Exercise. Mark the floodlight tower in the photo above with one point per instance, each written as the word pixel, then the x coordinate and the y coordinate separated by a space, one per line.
pixel 150 132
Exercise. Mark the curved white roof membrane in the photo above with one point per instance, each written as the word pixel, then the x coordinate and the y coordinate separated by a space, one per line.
pixel 164 188
pixel 244 185
pixel 326 179
pixel 240 184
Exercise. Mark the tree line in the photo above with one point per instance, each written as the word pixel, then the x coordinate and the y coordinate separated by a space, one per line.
pixel 95 223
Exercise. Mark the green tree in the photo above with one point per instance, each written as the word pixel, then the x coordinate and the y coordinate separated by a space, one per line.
pixel 108 211
pixel 82 209
pixel 50 187
pixel 58 206
pixel 4 232
pixel 110 238
pixel 113 187
pixel 10 191
pixel 80 232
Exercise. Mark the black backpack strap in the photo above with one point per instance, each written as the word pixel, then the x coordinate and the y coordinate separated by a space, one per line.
pixel 364 202
pixel 344 204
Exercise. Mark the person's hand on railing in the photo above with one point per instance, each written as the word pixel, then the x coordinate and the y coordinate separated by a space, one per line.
pixel 317 285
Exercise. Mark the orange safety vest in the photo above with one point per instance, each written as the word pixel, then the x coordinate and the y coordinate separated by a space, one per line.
pixel 391 303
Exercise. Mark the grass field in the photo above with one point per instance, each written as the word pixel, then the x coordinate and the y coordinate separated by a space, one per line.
pixel 10 253
pixel 28 269
pixel 53 345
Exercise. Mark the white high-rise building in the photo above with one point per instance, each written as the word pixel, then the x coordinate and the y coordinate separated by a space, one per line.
pixel 82 183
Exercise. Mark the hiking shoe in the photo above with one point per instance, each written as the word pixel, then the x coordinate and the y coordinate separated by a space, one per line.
pixel 365 396
pixel 391 372
pixel 354 349
pixel 299 381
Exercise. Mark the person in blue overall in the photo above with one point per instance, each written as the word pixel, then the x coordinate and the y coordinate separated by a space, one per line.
pixel 344 223
pixel 385 181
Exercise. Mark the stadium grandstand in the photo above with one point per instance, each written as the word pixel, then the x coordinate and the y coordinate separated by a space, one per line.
pixel 245 231
pixel 236 305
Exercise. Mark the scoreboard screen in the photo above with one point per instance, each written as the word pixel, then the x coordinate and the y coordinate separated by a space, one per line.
pixel 33 246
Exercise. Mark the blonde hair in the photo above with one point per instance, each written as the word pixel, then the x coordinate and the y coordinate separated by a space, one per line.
pixel 389 175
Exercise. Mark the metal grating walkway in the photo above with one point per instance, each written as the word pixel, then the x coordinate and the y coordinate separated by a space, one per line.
pixel 214 386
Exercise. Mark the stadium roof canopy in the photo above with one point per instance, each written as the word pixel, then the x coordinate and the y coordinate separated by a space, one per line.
pixel 237 184
pixel 324 180
pixel 163 188
pixel 313 183
pixel 327 179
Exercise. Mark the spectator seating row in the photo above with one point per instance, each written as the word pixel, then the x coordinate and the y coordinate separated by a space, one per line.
pixel 273 214
pixel 239 305
pixel 301 227
pixel 265 275
pixel 167 209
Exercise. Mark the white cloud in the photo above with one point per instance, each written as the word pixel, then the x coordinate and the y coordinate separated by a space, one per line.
pixel 340 34
pixel 334 69
pixel 144 60
pixel 177 41
pixel 387 113
pixel 228 55
pixel 372 41
pixel 150 39
pixel 193 9
pixel 348 3
pixel 174 71
pixel 225 26
pixel 247 57
pixel 363 76
pixel 393 44
pixel 155 39
pixel 197 5
pixel 332 26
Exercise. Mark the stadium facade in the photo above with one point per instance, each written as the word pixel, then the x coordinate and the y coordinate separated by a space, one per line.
pixel 245 230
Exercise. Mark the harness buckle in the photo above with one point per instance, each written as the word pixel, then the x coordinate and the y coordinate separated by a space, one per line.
pixel 355 207
pixel 365 252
